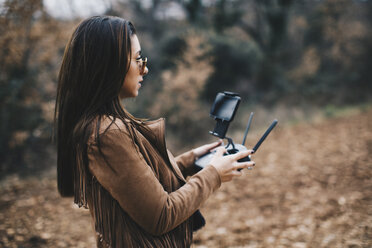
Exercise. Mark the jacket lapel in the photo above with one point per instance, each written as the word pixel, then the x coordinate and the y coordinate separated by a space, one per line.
pixel 155 133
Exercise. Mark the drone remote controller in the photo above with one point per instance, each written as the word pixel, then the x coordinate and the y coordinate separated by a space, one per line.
pixel 223 110
pixel 205 159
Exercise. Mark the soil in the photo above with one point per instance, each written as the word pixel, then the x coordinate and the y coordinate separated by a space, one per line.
pixel 311 187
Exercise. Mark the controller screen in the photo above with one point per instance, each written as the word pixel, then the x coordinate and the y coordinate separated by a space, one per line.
pixel 224 107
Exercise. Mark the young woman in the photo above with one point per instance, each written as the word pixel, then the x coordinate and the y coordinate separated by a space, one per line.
pixel 116 165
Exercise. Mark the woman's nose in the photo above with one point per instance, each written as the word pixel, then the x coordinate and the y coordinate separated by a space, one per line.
pixel 146 70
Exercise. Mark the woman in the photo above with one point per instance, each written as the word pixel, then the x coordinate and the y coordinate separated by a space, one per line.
pixel 116 165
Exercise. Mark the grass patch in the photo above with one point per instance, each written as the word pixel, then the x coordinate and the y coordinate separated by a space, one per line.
pixel 334 111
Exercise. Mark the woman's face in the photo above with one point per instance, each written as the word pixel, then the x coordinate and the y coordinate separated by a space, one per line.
pixel 133 79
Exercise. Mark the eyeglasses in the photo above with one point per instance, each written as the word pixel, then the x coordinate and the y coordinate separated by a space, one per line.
pixel 142 64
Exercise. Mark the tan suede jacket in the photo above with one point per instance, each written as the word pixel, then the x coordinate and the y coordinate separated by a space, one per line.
pixel 138 195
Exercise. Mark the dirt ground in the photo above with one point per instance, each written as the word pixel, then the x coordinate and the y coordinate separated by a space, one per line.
pixel 311 187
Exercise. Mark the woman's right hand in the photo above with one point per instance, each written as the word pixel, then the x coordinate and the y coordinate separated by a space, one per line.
pixel 227 166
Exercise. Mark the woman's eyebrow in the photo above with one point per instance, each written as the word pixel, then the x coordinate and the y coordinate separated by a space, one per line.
pixel 139 52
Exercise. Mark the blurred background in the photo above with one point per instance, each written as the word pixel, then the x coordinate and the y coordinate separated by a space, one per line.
pixel 307 63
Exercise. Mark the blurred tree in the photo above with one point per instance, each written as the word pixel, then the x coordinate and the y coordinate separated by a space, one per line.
pixel 194 9
pixel 233 61
pixel 303 65
pixel 179 98
pixel 364 64
pixel 25 98
pixel 316 52
pixel 226 15
pixel 339 33
pixel 270 33
pixel 255 58
pixel 172 50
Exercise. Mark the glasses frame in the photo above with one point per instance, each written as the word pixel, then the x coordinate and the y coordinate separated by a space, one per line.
pixel 142 65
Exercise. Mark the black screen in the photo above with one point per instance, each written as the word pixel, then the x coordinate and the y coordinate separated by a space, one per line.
pixel 225 106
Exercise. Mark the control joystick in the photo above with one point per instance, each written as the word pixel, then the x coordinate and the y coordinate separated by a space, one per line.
pixel 239 148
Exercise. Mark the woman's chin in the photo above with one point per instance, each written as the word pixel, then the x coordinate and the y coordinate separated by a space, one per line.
pixel 133 95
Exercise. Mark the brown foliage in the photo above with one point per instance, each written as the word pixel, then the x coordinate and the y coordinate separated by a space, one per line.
pixel 179 99
pixel 30 52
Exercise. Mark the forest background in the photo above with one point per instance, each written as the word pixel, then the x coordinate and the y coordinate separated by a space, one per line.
pixel 298 61
pixel 286 58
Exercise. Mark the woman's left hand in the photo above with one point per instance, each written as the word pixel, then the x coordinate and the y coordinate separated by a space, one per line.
pixel 206 148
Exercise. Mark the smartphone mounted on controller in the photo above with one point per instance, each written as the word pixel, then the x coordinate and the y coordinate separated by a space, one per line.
pixel 223 111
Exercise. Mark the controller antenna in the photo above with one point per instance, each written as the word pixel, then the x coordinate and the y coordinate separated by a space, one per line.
pixel 265 135
pixel 247 128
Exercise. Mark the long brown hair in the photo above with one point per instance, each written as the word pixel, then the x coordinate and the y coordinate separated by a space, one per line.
pixel 94 66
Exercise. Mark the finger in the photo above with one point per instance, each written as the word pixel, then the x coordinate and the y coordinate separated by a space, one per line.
pixel 219 143
pixel 242 165
pixel 242 154
pixel 213 145
pixel 236 173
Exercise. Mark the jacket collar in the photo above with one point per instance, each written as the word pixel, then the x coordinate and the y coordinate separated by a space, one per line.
pixel 155 133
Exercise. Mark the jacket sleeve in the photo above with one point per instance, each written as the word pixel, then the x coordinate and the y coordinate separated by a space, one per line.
pixel 186 163
pixel 124 173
